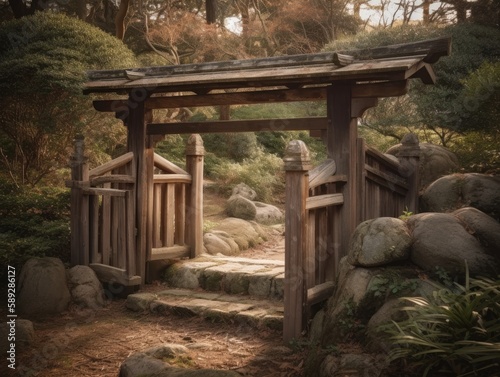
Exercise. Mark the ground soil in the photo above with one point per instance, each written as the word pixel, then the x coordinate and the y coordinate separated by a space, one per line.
pixel 95 343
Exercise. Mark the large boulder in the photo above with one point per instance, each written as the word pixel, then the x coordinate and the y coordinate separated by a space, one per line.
pixel 245 233
pixel 442 239
pixel 435 162
pixel 245 191
pixel 379 241
pixel 463 190
pixel 42 288
pixel 86 289
pixel 220 242
pixel 267 213
pixel 240 207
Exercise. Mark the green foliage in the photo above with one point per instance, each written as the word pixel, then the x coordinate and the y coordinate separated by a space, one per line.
pixel 443 105
pixel 478 152
pixel 455 332
pixel 391 285
pixel 33 223
pixel 233 146
pixel 43 59
pixel 263 172
pixel 51 51
pixel 406 214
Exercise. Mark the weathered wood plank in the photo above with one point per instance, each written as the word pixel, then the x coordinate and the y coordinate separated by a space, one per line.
pixel 257 125
pixel 103 191
pixel 297 165
pixel 114 178
pixel 95 256
pixel 166 165
pixel 105 237
pixel 320 292
pixel 362 90
pixel 180 214
pixel 130 225
pixel 321 172
pixel 233 98
pixel 171 252
pixel 324 201
pixel 111 165
pixel 114 275
pixel 389 181
pixel 157 214
pixel 172 178
pixel 168 231
pixel 382 158
pixel 121 244
pixel 194 163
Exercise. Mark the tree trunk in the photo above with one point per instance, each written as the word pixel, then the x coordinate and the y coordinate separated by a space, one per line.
pixel 426 11
pixel 120 19
pixel 211 10
pixel 81 10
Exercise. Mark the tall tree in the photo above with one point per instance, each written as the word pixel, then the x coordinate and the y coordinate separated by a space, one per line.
pixel 43 59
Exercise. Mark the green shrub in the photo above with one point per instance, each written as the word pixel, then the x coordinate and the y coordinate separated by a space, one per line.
pixel 456 332
pixel 264 173
pixel 33 223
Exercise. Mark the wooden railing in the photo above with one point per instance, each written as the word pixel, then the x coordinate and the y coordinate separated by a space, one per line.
pixel 314 213
pixel 169 211
pixel 104 217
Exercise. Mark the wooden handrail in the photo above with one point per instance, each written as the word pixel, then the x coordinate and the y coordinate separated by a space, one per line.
pixel 167 166
pixel 111 165
pixel 172 178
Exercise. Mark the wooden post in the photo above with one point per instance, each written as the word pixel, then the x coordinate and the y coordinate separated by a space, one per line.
pixel 142 169
pixel 409 157
pixel 341 147
pixel 194 165
pixel 297 164
pixel 79 221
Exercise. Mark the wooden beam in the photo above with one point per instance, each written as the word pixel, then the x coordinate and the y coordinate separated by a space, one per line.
pixel 234 98
pixel 360 105
pixel 172 252
pixel 363 90
pixel 320 292
pixel 380 89
pixel 258 125
pixel 103 191
pixel 326 200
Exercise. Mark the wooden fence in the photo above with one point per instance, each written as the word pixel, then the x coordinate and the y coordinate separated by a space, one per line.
pixel 104 217
pixel 314 217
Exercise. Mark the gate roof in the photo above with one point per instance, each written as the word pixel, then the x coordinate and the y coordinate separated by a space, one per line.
pixel 388 63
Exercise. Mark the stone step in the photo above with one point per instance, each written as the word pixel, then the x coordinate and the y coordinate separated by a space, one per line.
pixel 217 307
pixel 261 278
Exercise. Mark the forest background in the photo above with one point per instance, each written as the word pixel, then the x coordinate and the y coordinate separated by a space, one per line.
pixel 46 46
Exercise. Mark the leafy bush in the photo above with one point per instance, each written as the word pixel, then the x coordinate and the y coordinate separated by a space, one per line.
pixel 263 172
pixel 455 332
pixel 33 223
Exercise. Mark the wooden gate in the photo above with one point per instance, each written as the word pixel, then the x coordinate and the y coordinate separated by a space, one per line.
pixel 315 236
pixel 104 231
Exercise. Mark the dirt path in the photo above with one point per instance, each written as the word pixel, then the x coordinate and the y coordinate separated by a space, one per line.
pixel 94 343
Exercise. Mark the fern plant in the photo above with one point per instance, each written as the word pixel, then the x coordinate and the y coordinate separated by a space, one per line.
pixel 455 332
